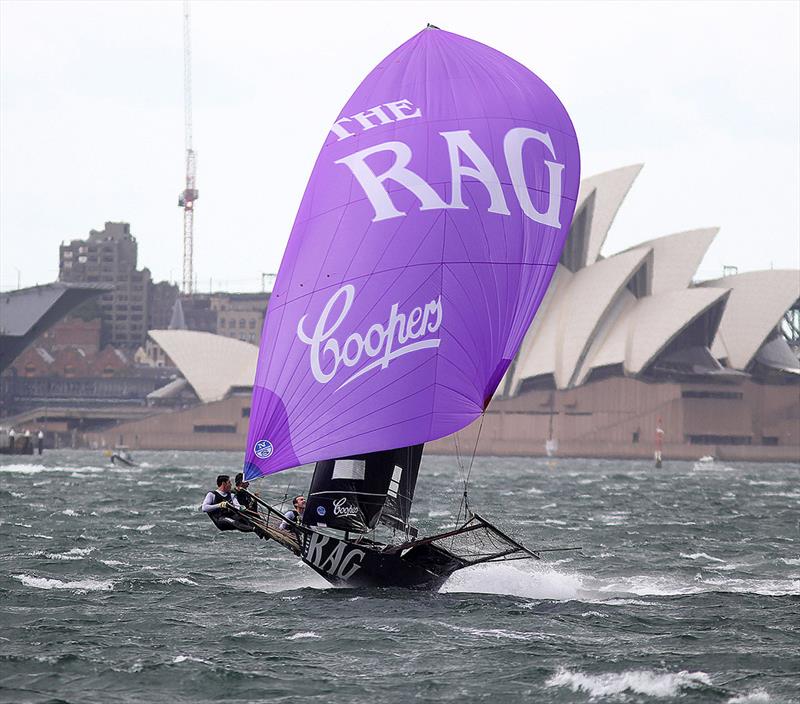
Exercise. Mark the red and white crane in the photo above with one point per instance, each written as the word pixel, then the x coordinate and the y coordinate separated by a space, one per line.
pixel 189 194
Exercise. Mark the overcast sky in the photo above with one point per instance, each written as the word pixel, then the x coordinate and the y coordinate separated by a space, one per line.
pixel 706 95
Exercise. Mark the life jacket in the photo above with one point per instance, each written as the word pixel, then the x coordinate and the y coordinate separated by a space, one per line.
pixel 219 514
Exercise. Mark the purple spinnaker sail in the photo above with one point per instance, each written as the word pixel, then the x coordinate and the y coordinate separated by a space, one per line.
pixel 425 241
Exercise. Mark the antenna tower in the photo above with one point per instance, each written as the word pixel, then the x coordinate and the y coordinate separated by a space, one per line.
pixel 189 194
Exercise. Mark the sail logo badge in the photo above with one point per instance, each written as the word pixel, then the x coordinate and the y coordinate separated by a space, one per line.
pixel 400 335
pixel 342 508
pixel 263 449
pixel 321 511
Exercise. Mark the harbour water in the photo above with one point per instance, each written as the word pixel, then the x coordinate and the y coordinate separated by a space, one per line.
pixel 115 588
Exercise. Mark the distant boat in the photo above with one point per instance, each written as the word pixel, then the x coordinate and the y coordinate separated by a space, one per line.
pixel 426 239
pixel 121 456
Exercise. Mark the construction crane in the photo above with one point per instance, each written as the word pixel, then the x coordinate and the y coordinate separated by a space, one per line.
pixel 190 193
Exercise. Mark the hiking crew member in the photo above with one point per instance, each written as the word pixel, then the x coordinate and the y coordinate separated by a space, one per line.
pixel 216 505
pixel 245 498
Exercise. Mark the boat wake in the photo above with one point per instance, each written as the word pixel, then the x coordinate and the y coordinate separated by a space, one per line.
pixel 511 580
pixel 544 582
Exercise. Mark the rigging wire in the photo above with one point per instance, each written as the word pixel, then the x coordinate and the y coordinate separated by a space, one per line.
pixel 465 476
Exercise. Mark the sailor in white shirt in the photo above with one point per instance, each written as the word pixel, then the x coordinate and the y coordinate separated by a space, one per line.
pixel 217 505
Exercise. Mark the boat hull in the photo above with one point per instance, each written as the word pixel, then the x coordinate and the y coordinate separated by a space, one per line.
pixel 366 564
pixel 121 461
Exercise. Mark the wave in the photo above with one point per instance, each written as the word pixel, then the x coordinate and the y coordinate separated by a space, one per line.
pixel 546 582
pixel 84 585
pixel 74 554
pixel 189 658
pixel 142 529
pixel 757 696
pixel 303 635
pixel 698 555
pixel 496 633
pixel 23 469
pixel 647 682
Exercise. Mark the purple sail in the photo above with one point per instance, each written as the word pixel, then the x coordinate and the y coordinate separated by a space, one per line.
pixel 425 241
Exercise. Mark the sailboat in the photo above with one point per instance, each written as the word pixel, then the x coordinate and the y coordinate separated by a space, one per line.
pixel 426 238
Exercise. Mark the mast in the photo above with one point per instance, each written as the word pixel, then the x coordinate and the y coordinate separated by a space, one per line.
pixel 189 194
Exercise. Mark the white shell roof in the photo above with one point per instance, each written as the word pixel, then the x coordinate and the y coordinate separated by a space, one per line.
pixel 657 320
pixel 676 257
pixel 756 305
pixel 610 188
pixel 537 353
pixel 578 306
pixel 212 364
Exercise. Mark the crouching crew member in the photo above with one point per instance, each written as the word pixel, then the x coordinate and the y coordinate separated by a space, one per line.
pixel 217 505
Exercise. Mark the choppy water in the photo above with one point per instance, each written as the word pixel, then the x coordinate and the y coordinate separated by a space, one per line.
pixel 116 589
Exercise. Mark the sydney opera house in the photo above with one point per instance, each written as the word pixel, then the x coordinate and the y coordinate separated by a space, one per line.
pixel 625 347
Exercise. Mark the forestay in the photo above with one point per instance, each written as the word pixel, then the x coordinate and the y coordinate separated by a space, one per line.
pixel 426 238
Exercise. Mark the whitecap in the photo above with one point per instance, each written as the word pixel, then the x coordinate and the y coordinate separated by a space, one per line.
pixel 23 468
pixel 593 614
pixel 69 512
pixel 84 585
pixel 141 529
pixel 647 682
pixel 74 554
pixel 698 555
pixel 757 696
pixel 790 561
pixel 115 563
pixel 497 633
pixel 303 634
pixel 178 580
pixel 188 658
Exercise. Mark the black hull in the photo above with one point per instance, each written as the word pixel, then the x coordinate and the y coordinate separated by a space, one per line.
pixel 366 564
pixel 121 461
pixel 25 450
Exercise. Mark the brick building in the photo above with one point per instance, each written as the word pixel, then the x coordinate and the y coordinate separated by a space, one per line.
pixel 240 315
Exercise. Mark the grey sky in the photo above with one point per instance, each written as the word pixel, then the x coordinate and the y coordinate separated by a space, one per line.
pixel 706 95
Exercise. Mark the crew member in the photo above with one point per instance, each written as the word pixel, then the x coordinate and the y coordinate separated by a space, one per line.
pixel 217 505
pixel 245 498
pixel 292 516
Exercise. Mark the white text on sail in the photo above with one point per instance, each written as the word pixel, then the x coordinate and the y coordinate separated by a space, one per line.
pixel 399 336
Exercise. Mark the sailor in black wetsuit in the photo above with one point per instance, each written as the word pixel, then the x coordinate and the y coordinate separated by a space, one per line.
pixel 216 505
pixel 245 498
